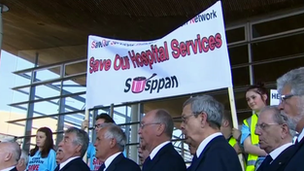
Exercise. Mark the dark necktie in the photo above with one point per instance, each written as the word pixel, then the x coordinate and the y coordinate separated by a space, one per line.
pixel 267 160
pixel 57 168
pixel 146 163
pixel 102 167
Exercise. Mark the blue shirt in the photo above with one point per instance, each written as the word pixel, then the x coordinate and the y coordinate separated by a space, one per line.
pixel 246 133
pixel 94 162
pixel 37 163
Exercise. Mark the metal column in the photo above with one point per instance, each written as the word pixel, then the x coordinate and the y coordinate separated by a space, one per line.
pixel 135 116
pixel 61 109
pixel 30 110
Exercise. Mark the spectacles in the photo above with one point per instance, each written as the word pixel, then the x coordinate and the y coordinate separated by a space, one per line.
pixel 285 97
pixel 185 118
pixel 263 126
pixel 97 126
pixel 142 125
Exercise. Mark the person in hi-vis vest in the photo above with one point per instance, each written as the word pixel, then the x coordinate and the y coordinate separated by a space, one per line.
pixel 256 97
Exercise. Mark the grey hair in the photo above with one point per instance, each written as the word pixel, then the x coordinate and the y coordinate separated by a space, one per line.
pixel 114 131
pixel 13 148
pixel 163 116
pixel 82 138
pixel 208 105
pixel 24 156
pixel 278 116
pixel 294 79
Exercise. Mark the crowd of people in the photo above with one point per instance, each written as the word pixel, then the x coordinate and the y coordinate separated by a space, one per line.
pixel 270 139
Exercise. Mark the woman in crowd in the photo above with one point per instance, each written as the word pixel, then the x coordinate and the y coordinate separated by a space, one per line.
pixel 43 156
pixel 256 97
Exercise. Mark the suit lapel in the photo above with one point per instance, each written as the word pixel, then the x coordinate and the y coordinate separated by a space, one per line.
pixel 116 160
pixel 202 155
pixel 158 155
pixel 283 158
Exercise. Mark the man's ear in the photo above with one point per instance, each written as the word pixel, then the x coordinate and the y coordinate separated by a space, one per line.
pixel 112 142
pixel 8 156
pixel 225 123
pixel 21 162
pixel 160 129
pixel 203 119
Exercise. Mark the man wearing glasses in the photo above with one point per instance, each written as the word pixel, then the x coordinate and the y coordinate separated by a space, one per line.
pixel 291 88
pixel 201 122
pixel 91 152
pixel 275 138
pixel 155 132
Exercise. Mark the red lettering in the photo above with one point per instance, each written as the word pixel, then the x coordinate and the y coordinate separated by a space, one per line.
pixel 183 49
pixel 99 65
pixel 218 39
pixel 211 43
pixel 205 41
pixel 175 48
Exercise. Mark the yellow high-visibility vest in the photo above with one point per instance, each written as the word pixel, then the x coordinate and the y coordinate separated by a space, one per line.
pixel 252 159
pixel 232 141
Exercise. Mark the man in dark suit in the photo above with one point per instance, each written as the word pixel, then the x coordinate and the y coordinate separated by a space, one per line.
pixel 110 143
pixel 275 138
pixel 291 88
pixel 71 150
pixel 201 121
pixel 9 155
pixel 155 132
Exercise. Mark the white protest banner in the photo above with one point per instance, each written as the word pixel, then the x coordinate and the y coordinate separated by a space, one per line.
pixel 193 58
pixel 274 97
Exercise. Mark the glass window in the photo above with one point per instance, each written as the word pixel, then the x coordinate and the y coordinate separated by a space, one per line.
pixel 238 55
pixel 278 26
pixel 75 85
pixel 47 90
pixel 240 76
pixel 278 47
pixel 75 68
pixel 235 35
pixel 261 72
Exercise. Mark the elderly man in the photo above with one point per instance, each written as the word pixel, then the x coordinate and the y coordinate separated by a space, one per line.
pixel 110 143
pixel 275 138
pixel 201 122
pixel 9 156
pixel 94 163
pixel 23 161
pixel 155 132
pixel 71 150
pixel 291 88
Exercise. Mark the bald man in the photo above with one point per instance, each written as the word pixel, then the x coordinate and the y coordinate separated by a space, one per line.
pixel 9 155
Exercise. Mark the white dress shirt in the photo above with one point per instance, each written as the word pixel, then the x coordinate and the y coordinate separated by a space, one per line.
pixel 157 148
pixel 275 153
pixel 301 135
pixel 61 165
pixel 205 142
pixel 110 159
pixel 8 169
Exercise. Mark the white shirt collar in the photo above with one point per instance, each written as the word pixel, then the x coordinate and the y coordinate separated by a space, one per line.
pixel 110 159
pixel 61 165
pixel 8 169
pixel 301 135
pixel 157 148
pixel 275 153
pixel 205 142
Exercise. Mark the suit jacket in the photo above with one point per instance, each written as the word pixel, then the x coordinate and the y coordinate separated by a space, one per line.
pixel 120 163
pixel 218 155
pixel 76 165
pixel 295 162
pixel 166 159
pixel 280 162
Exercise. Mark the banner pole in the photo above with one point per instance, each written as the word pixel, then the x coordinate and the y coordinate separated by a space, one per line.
pixel 87 116
pixel 234 118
